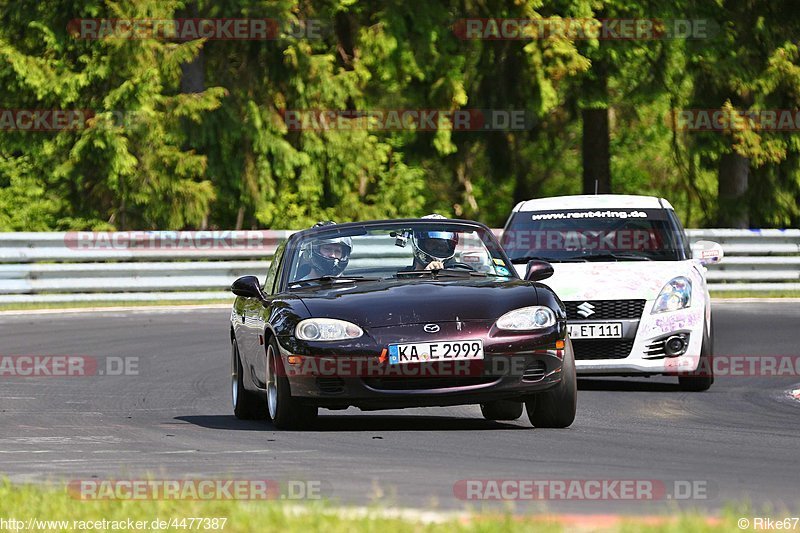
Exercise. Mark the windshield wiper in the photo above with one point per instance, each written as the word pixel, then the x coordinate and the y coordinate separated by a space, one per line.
pixel 525 259
pixel 441 273
pixel 618 256
pixel 330 280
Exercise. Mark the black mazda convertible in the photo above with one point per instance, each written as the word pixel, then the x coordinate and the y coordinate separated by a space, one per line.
pixel 399 313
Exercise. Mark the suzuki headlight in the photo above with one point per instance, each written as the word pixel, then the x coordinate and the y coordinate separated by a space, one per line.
pixel 326 329
pixel 527 318
pixel 677 294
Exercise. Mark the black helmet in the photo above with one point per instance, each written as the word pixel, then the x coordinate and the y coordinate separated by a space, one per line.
pixel 434 245
pixel 330 266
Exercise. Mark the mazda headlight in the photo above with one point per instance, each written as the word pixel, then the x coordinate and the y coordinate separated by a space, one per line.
pixel 527 318
pixel 677 294
pixel 326 329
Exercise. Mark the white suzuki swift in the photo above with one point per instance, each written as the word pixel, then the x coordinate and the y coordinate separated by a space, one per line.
pixel 635 292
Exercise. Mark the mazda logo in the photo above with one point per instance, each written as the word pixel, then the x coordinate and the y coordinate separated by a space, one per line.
pixel 431 328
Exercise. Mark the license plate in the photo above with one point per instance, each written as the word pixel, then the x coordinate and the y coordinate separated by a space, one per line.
pixel 607 330
pixel 426 352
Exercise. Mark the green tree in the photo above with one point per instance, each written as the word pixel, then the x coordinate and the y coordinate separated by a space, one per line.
pixel 125 167
pixel 751 64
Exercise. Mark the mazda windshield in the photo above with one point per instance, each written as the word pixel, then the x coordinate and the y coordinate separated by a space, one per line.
pixel 397 250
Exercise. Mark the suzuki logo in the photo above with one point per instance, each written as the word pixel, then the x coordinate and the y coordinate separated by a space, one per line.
pixel 431 328
pixel 586 309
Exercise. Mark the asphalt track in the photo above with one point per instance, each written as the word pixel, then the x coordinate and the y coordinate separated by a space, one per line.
pixel 740 440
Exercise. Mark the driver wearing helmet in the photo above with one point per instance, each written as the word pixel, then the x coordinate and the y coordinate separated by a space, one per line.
pixel 433 248
pixel 329 257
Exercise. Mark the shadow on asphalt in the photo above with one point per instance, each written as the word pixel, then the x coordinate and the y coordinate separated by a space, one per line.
pixel 361 422
pixel 223 422
pixel 626 385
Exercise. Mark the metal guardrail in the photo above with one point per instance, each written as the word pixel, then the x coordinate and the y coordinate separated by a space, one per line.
pixel 150 266
pixel 755 260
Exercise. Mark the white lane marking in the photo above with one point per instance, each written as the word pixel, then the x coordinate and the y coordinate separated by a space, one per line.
pixel 67 460
pixel 97 439
pixel 40 451
pixel 155 453
pixel 112 451
pixel 233 451
pixel 18 398
pixel 175 452
pixel 141 309
pixel 258 451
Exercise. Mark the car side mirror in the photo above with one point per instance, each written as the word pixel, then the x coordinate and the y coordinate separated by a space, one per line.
pixel 538 270
pixel 707 252
pixel 247 286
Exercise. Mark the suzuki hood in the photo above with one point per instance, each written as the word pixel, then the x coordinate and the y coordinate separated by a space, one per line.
pixel 623 280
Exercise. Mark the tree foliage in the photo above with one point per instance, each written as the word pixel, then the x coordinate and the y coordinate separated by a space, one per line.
pixel 162 151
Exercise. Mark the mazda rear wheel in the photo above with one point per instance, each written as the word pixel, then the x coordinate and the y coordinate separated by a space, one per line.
pixel 246 405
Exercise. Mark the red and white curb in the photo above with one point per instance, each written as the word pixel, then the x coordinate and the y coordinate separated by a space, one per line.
pixel 795 394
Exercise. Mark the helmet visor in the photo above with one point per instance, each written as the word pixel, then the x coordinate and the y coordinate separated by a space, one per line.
pixel 333 250
pixel 440 244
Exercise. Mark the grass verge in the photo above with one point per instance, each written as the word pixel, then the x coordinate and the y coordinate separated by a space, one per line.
pixel 53 503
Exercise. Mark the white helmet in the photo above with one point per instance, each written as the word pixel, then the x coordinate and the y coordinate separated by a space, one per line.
pixel 434 245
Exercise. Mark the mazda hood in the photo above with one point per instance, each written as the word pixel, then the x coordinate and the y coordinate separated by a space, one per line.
pixel 386 303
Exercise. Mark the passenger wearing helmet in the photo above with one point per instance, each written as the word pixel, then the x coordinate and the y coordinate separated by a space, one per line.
pixel 433 248
pixel 328 257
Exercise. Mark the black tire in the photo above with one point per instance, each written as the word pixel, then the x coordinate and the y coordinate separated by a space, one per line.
pixel 286 412
pixel 501 410
pixel 701 379
pixel 555 408
pixel 246 405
